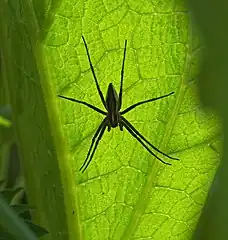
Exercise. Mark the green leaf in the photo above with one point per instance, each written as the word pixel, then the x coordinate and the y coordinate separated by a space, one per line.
pixel 4 122
pixel 8 194
pixel 49 190
pixel 125 193
pixel 39 231
pixel 21 208
pixel 10 221
pixel 5 235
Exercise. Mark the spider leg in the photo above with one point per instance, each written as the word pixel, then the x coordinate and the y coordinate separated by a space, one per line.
pixel 102 129
pixel 121 126
pixel 122 76
pixel 142 102
pixel 143 144
pixel 143 138
pixel 102 125
pixel 93 72
pixel 84 103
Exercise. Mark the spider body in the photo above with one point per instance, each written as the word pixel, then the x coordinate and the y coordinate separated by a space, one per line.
pixel 112 103
pixel 114 117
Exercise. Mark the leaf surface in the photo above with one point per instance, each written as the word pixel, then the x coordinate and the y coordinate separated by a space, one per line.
pixel 126 193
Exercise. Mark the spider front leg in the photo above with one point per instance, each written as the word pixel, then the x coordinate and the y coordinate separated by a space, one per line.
pixel 122 76
pixel 142 102
pixel 84 103
pixel 94 75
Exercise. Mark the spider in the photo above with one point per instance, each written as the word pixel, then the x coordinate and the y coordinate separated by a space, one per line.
pixel 113 115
